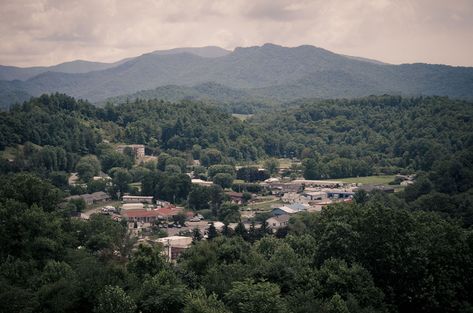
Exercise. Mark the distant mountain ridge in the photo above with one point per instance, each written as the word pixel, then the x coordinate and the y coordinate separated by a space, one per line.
pixel 255 73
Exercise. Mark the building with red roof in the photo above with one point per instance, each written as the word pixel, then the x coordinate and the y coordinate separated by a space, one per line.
pixel 148 216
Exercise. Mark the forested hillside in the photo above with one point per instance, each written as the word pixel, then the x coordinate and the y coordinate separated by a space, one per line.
pixel 225 98
pixel 344 137
pixel 409 251
pixel 389 133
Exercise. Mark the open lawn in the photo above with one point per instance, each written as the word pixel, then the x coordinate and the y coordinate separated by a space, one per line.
pixel 8 153
pixel 283 163
pixel 264 205
pixel 369 180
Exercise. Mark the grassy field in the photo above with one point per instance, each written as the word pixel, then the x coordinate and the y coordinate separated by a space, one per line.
pixel 264 205
pixel 369 180
pixel 8 153
pixel 283 163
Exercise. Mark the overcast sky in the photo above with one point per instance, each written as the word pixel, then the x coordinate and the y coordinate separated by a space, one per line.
pixel 45 32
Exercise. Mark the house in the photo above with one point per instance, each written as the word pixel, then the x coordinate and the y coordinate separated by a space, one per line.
pixel 100 196
pixel 141 215
pixel 132 206
pixel 163 204
pixel 218 225
pixel 277 222
pixel 138 199
pixel 284 210
pixel 235 197
pixel 339 193
pixel 319 205
pixel 93 198
pixel 138 150
pixel 318 183
pixel 174 246
pixel 168 212
pixel 282 188
pixel 314 195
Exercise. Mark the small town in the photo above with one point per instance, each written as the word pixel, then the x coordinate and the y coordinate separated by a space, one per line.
pixel 153 221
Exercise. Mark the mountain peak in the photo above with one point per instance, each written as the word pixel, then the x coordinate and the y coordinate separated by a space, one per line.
pixel 204 52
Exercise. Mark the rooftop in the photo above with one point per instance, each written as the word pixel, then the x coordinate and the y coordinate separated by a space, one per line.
pixel 141 213
pixel 280 218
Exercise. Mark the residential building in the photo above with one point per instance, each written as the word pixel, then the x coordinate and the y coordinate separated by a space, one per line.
pixel 339 193
pixel 174 246
pixel 282 188
pixel 318 183
pixel 141 215
pixel 138 199
pixel 283 210
pixel 235 197
pixel 92 198
pixel 277 222
pixel 132 206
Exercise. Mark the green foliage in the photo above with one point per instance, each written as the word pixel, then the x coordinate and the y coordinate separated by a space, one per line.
pixel 252 174
pixel 146 261
pixel 162 293
pixel 271 165
pixel 88 167
pixel 248 296
pixel 220 168
pixel 29 189
pixel 210 157
pixel 120 179
pixel 114 299
pixel 47 120
pixel 111 159
pixel 196 235
pixel 59 179
pixel 355 137
pixel 198 302
pixel 212 232
pixel 199 198
pixel 167 186
pixel 229 213
pixel 102 235
pixel 223 179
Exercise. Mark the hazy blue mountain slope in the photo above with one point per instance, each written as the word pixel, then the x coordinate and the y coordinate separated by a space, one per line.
pixel 266 72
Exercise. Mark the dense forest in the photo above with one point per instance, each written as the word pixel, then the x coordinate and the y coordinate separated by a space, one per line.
pixel 410 251
pixel 376 134
pixel 374 255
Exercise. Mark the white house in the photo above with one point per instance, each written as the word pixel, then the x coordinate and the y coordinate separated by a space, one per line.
pixel 277 222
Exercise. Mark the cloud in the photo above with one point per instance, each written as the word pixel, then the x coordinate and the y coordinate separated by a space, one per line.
pixel 44 32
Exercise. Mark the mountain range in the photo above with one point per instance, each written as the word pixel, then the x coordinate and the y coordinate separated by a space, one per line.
pixel 268 73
